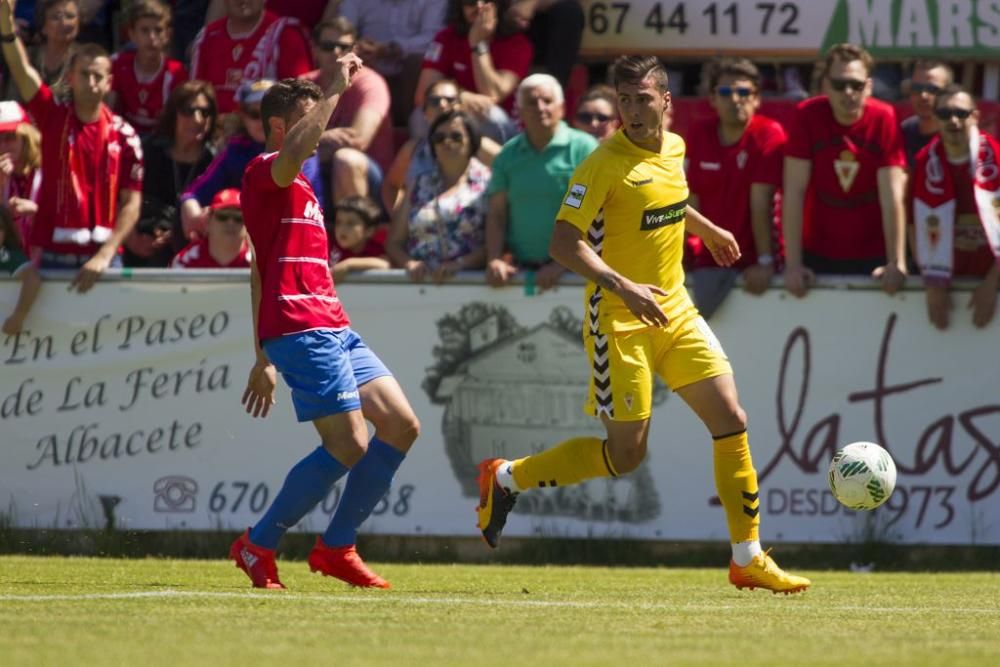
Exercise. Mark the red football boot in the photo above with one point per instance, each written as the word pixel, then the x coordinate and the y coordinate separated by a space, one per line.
pixel 345 564
pixel 257 562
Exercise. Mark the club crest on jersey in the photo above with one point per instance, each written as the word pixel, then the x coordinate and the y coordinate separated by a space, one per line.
pixel 237 52
pixel 313 211
pixel 846 168
pixel 577 192
pixel 741 159
pixel 143 96
pixel 662 217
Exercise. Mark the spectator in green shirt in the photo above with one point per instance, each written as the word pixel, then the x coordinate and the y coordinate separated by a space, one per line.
pixel 530 177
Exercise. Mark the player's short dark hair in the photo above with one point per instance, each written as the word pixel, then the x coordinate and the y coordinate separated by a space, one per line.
pixel 846 53
pixel 953 89
pixel 148 9
pixel 738 68
pixel 364 207
pixel 635 69
pixel 341 24
pixel 475 138
pixel 283 98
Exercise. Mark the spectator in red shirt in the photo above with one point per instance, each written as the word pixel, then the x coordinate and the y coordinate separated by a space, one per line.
pixel 844 181
pixel 734 171
pixel 91 189
pixel 20 167
pixel 956 191
pixel 143 78
pixel 357 240
pixel 487 57
pixel 225 243
pixel 358 139
pixel 248 44
pixel 597 112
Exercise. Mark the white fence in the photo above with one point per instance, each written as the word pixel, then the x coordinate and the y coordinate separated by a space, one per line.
pixel 126 400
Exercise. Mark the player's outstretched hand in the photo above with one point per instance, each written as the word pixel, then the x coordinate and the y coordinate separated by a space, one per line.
pixel 347 66
pixel 641 300
pixel 259 394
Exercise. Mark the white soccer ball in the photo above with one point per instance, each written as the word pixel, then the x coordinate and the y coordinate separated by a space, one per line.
pixel 862 475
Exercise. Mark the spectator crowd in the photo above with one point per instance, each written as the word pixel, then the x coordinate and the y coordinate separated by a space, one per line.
pixel 453 148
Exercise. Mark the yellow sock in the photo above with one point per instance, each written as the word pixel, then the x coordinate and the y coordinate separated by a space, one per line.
pixel 736 482
pixel 569 462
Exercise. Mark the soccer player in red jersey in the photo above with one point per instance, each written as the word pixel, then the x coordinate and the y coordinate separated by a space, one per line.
pixel 844 181
pixel 734 170
pixel 248 43
pixel 302 331
pixel 142 79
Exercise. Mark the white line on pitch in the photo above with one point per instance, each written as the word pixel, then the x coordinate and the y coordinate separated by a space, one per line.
pixel 397 599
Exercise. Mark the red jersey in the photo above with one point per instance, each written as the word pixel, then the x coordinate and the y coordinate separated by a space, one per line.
pixel 140 101
pixel 308 12
pixel 289 239
pixel 374 247
pixel 841 216
pixel 197 256
pixel 275 49
pixel 87 165
pixel 972 254
pixel 451 55
pixel 721 176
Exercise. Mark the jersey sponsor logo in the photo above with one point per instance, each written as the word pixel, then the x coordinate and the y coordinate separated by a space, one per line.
pixel 846 168
pixel 344 395
pixel 313 211
pixel 640 182
pixel 577 192
pixel 710 166
pixel 662 217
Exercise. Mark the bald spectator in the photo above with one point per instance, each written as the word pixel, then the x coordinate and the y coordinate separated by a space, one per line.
pixel 929 78
pixel 844 180
pixel 249 43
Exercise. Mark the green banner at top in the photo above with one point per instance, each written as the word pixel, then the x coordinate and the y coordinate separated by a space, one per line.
pixel 902 28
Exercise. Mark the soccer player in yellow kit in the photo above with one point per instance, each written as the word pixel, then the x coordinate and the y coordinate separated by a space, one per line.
pixel 622 227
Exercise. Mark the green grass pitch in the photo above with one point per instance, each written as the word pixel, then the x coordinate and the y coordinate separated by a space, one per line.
pixel 80 611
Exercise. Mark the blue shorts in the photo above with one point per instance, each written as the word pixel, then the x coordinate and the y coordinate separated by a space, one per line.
pixel 324 369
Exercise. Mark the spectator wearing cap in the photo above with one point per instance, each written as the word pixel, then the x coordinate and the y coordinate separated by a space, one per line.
pixel 358 138
pixel 143 77
pixel 225 244
pixel 844 181
pixel 14 263
pixel 486 56
pixel 530 176
pixel 956 210
pixel 91 188
pixel 597 112
pixel 248 44
pixel 357 240
pixel 393 36
pixel 928 79
pixel 226 170
pixel 20 167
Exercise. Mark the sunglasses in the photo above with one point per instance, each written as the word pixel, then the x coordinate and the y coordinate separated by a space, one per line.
pixel 840 85
pixel 947 113
pixel 742 92
pixel 925 88
pixel 252 114
pixel 588 117
pixel 436 100
pixel 228 217
pixel 441 137
pixel 192 110
pixel 335 46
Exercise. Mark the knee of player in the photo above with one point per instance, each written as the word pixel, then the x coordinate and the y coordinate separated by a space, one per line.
pixel 626 456
pixel 399 430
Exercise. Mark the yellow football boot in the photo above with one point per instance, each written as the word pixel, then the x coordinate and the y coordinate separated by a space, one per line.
pixel 763 572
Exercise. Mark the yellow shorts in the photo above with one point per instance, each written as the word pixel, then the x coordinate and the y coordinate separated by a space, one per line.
pixel 622 365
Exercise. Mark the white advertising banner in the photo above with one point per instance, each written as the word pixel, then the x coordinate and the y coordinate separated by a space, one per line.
pixel 123 405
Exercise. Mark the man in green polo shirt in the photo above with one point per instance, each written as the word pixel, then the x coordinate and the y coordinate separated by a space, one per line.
pixel 530 178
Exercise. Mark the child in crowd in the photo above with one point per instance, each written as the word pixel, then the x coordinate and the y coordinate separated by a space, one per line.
pixel 357 239
pixel 14 263
pixel 143 78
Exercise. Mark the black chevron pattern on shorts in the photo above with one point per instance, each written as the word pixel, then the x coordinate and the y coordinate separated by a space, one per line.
pixel 602 377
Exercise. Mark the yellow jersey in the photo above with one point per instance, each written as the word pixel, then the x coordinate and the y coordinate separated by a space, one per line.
pixel 630 204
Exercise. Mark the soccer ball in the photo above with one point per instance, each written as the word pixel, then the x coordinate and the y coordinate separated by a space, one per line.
pixel 862 475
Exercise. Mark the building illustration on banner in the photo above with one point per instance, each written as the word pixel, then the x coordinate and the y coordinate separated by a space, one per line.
pixel 510 391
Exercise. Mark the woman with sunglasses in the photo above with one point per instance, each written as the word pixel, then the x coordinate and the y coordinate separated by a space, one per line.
pixel 440 228
pixel 175 154
pixel 597 112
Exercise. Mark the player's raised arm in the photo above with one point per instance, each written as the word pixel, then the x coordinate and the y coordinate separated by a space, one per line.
pixel 24 75
pixel 301 140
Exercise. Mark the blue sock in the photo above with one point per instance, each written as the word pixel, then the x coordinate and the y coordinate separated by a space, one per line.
pixel 369 480
pixel 306 484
